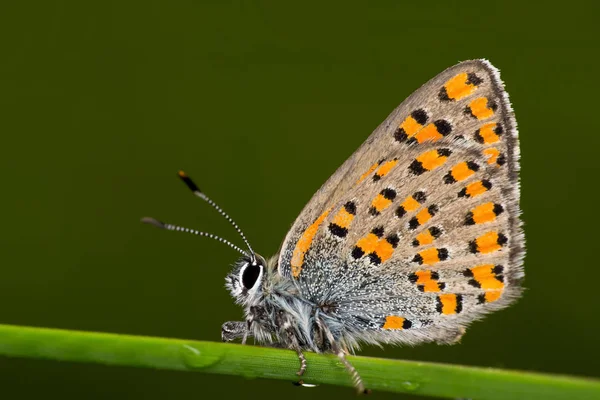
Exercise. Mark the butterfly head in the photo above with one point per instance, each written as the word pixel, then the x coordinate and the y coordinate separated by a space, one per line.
pixel 245 280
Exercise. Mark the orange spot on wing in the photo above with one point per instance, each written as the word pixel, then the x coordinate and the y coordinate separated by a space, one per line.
pixel 386 168
pixel 486 278
pixel 431 159
pixel 492 154
pixel 394 322
pixel 431 287
pixel 461 171
pixel 487 133
pixel 380 203
pixel 492 295
pixel 373 244
pixel 410 204
pixel 423 276
pixel 430 132
pixel 426 281
pixel 423 216
pixel 343 218
pixel 482 270
pixel 410 126
pixel 457 87
pixel 368 243
pixel 475 189
pixel 304 244
pixel 425 238
pixel 479 108
pixel 429 256
pixel 488 242
pixel 384 250
pixel 449 303
pixel 363 176
pixel 484 213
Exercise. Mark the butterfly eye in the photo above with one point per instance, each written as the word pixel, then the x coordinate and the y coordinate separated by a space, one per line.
pixel 250 275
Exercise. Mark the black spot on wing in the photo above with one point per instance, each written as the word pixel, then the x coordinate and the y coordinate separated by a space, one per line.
pixel 420 116
pixel 420 197
pixel 416 167
pixel 474 79
pixel 393 239
pixel 501 159
pixel 400 212
pixel 377 231
pixel 443 127
pixel 357 252
pixel 388 193
pixel 443 254
pixel 374 258
pixel 338 230
pixel 350 207
pixel 400 135
pixel 443 94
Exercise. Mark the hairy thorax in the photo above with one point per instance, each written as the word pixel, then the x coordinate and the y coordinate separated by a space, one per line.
pixel 276 312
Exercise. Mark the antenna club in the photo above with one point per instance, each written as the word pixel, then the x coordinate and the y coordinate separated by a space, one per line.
pixel 154 222
pixel 188 181
pixel 196 190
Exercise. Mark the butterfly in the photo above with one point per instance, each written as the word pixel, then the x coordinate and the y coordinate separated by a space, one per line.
pixel 414 237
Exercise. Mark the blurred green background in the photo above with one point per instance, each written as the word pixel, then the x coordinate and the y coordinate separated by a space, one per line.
pixel 102 103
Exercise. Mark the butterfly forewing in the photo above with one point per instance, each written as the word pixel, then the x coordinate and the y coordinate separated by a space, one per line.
pixel 418 232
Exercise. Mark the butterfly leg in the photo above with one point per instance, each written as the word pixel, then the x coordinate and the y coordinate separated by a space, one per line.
pixel 294 345
pixel 283 320
pixel 356 379
pixel 233 330
pixel 247 331
pixel 302 359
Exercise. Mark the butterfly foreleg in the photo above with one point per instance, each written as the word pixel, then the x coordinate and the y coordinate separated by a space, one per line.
pixel 233 330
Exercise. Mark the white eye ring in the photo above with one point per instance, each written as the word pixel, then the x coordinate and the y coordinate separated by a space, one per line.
pixel 242 269
pixel 257 277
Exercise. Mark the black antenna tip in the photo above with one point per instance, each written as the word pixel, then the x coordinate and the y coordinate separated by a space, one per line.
pixel 154 222
pixel 188 181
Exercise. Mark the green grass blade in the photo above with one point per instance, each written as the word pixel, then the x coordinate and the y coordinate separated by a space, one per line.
pixel 431 379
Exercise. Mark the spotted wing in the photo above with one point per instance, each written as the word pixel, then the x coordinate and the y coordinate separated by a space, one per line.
pixel 418 232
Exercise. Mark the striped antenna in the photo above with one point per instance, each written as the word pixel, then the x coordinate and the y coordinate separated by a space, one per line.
pixel 170 227
pixel 196 190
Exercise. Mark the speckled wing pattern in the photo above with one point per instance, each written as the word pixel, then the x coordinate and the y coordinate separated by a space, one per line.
pixel 418 233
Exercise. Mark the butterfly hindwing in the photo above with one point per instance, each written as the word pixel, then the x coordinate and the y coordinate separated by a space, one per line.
pixel 418 232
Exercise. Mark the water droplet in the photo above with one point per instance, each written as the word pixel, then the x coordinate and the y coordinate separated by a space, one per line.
pixel 304 384
pixel 410 386
pixel 194 357
pixel 194 350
